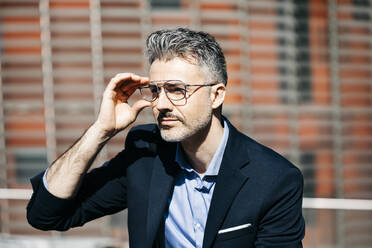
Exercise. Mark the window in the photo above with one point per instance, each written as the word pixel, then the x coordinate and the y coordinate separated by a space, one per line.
pixel 165 3
pixel 28 164
pixel 297 64
pixel 307 161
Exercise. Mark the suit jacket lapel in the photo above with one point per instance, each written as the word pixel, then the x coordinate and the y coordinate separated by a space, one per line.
pixel 161 186
pixel 229 181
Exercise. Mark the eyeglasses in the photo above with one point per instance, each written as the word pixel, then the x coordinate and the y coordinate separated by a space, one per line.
pixel 174 89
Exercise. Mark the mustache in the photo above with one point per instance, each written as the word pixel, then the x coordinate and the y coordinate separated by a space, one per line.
pixel 168 115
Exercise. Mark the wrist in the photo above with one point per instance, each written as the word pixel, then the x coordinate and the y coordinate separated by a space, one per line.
pixel 100 133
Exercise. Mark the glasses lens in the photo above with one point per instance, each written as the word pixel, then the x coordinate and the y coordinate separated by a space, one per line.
pixel 149 93
pixel 175 90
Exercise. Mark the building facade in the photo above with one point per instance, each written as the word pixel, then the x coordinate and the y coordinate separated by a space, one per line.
pixel 300 82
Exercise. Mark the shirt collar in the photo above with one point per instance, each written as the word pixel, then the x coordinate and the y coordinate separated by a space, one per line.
pixel 215 164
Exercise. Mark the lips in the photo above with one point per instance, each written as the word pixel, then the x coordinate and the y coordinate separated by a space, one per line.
pixel 167 120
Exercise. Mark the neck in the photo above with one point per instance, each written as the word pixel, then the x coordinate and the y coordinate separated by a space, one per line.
pixel 201 147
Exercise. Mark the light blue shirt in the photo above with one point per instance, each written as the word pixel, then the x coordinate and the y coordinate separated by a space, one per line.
pixel 189 205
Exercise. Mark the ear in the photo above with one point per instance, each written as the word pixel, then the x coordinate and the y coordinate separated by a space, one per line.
pixel 218 93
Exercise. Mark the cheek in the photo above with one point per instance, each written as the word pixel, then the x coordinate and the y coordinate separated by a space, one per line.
pixel 199 108
pixel 203 101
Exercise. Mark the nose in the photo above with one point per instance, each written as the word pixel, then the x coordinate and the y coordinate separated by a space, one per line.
pixel 162 103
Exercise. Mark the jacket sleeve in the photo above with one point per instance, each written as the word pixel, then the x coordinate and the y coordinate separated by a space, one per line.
pixel 103 191
pixel 282 224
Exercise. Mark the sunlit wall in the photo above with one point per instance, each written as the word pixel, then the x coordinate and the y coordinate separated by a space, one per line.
pixel 300 81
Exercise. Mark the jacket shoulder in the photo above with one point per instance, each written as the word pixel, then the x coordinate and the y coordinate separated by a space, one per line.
pixel 265 159
pixel 141 136
pixel 144 129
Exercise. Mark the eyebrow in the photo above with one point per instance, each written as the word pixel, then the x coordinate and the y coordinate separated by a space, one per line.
pixel 167 80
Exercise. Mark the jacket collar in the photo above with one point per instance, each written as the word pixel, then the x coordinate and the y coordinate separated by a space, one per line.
pixel 164 172
pixel 230 179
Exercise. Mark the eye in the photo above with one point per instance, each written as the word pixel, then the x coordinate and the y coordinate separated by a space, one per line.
pixel 175 88
pixel 153 88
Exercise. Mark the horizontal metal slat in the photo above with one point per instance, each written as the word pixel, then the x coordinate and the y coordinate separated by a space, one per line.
pixel 227 15
pixel 26 105
pixel 20 2
pixel 353 23
pixel 120 27
pixel 164 13
pixel 229 2
pixel 70 43
pixel 111 71
pixel 71 57
pixel 355 37
pixel 353 66
pixel 116 1
pixel 13 43
pixel 73 88
pixel 20 58
pixel 30 73
pixel 70 27
pixel 81 118
pixel 79 72
pixel 22 88
pixel 78 103
pixel 308 108
pixel 122 43
pixel 347 8
pixel 121 12
pixel 222 29
pixel 22 118
pixel 121 58
pixel 19 27
pixel 353 52
pixel 19 12
pixel 69 12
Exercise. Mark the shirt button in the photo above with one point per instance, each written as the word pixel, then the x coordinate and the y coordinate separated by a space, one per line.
pixel 197 225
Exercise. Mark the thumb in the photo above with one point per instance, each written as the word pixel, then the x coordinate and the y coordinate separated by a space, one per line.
pixel 140 105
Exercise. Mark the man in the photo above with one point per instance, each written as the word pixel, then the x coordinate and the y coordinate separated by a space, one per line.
pixel 192 180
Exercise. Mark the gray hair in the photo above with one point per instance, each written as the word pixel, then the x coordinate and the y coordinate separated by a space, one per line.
pixel 184 43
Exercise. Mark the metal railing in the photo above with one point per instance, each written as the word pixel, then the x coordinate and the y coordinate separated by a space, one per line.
pixel 308 203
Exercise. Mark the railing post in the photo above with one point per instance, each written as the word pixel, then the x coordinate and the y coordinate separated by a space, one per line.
pixel 48 85
pixel 336 116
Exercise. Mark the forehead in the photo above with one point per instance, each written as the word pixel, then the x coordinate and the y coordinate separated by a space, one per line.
pixel 175 68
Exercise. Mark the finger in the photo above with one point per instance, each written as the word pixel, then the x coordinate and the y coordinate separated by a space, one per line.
pixel 118 79
pixel 129 85
pixel 134 81
pixel 124 95
pixel 140 105
pixel 145 80
pixel 137 79
pixel 127 90
pixel 121 80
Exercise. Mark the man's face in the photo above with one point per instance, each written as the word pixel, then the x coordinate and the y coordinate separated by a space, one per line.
pixel 178 121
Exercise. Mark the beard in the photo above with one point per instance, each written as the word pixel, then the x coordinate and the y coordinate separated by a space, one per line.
pixel 184 128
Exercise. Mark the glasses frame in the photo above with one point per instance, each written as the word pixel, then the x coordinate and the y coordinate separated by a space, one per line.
pixel 161 85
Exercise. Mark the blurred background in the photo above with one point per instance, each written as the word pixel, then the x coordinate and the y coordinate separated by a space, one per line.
pixel 300 82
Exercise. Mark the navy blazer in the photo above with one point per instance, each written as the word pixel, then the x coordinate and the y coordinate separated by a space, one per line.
pixel 257 201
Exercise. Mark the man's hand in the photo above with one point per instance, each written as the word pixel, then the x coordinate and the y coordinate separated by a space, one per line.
pixel 65 174
pixel 115 112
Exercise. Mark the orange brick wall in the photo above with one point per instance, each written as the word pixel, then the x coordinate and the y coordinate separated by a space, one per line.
pixel 269 46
